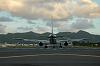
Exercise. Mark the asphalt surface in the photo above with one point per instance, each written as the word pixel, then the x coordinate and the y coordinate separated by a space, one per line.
pixel 50 57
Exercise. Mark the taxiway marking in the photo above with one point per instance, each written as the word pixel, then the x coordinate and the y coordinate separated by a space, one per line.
pixel 57 54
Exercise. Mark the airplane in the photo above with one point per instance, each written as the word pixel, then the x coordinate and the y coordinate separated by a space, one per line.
pixel 53 42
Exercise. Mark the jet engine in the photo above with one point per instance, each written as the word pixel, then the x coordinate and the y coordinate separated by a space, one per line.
pixel 40 44
pixel 65 43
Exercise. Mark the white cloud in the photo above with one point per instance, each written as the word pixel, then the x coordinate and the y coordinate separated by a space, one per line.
pixel 82 24
pixel 47 9
pixel 57 10
pixel 42 29
pixel 2 28
pixel 25 28
pixel 5 19
pixel 11 5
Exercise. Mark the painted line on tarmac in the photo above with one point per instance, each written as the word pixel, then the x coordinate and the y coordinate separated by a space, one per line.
pixel 56 54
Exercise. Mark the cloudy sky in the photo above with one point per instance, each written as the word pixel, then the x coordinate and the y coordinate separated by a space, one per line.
pixel 36 16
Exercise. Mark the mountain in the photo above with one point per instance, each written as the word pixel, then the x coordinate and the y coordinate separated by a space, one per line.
pixel 44 36
pixel 81 34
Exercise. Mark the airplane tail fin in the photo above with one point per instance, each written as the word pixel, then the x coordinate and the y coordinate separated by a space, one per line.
pixel 52 26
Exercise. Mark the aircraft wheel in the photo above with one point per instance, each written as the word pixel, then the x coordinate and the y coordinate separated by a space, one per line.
pixel 46 46
pixel 60 46
pixel 53 46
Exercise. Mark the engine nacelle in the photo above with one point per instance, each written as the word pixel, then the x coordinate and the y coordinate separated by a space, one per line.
pixel 40 44
pixel 65 43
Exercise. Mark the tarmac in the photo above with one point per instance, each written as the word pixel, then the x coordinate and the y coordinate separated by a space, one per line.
pixel 49 57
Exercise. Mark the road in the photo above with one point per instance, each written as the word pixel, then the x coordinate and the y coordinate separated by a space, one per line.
pixel 50 57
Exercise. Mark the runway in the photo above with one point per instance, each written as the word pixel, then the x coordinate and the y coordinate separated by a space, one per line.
pixel 50 57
